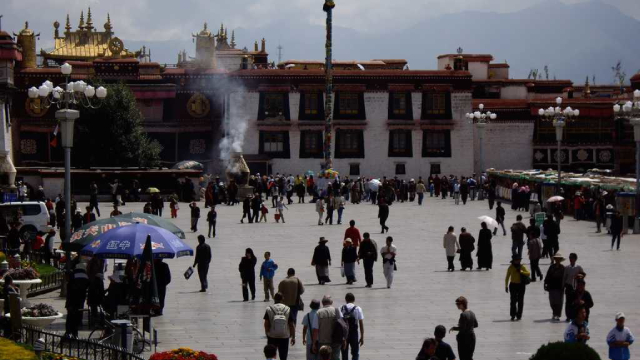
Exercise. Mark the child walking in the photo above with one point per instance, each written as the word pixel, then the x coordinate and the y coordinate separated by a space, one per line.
pixel 280 206
pixel 263 213
pixel 267 271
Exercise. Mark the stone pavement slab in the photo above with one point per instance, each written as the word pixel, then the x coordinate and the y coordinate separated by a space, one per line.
pixel 423 293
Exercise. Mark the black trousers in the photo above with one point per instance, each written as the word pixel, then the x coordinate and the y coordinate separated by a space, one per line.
pixel 491 201
pixel 162 293
pixel 352 341
pixel 282 345
pixel 251 285
pixel 383 224
pixel 74 320
pixel 203 270
pixel 247 214
pixel 613 240
pixel 535 269
pixel 368 271
pixel 517 299
pixel 466 346
pixel 450 261
pixel 256 215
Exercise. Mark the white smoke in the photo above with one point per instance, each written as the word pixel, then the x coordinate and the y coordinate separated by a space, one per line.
pixel 234 122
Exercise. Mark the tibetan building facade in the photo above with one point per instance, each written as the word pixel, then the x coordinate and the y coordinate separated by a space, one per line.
pixel 388 120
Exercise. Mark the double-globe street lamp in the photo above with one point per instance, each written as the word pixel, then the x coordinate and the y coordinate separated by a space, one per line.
pixel 631 110
pixel 559 118
pixel 481 118
pixel 71 94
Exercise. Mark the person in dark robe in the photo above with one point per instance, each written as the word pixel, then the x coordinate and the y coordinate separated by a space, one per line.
pixel 436 185
pixel 484 253
pixel 444 186
pixel 464 190
pixel 76 296
pixel 467 246
pixel 383 215
pixel 247 270
pixel 322 260
pixel 163 278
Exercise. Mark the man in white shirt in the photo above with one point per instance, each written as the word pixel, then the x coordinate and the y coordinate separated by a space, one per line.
pixel 388 253
pixel 355 318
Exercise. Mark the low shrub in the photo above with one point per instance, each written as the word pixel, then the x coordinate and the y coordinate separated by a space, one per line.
pixel 183 354
pixel 565 351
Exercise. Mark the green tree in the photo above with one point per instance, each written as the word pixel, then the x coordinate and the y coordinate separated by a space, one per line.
pixel 113 134
pixel 565 351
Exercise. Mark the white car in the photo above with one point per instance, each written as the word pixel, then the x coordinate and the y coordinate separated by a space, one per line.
pixel 33 215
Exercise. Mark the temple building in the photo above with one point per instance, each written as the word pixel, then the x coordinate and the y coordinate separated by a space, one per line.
pixel 388 120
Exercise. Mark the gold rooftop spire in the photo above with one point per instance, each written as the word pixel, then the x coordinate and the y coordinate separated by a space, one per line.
pixel 89 21
pixel 81 24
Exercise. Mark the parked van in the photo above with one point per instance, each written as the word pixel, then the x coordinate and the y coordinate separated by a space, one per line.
pixel 33 216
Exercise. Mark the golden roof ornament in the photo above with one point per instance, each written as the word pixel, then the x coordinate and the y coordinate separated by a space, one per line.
pixel 255 46
pixel 67 27
pixel 205 31
pixel 587 89
pixel 89 21
pixel 81 24
pixel 56 26
pixel 107 25
pixel 233 39
pixel 26 31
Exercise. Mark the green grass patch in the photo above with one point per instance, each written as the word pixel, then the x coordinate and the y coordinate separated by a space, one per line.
pixel 44 269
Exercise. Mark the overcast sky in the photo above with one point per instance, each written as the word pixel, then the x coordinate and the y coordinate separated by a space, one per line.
pixel 172 20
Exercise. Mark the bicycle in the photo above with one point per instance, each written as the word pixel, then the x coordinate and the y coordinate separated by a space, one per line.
pixel 105 332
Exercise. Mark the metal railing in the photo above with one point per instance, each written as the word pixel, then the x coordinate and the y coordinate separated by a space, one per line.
pixel 49 282
pixel 80 348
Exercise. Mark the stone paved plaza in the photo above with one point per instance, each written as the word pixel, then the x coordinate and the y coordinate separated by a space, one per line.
pixel 396 320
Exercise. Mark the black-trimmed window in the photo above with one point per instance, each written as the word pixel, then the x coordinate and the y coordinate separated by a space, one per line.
pixel 311 106
pixel 273 106
pixel 275 144
pixel 400 143
pixel 400 106
pixel 436 143
pixel 436 105
pixel 354 169
pixel 349 144
pixel 435 169
pixel 349 106
pixel 401 169
pixel 311 144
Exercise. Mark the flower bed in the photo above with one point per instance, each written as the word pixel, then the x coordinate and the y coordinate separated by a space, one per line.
pixel 183 354
pixel 39 310
pixel 23 274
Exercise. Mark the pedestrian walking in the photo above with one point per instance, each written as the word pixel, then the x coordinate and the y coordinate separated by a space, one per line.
pixel 443 350
pixel 174 206
pixel 368 253
pixel 280 206
pixel 212 217
pixel 456 192
pixel 535 253
pixel 202 261
pixel 328 325
pixel 354 317
pixel 420 190
pixel 163 279
pixel 500 213
pixel 485 251
pixel 616 229
pixel 519 275
pixel 93 197
pixel 388 253
pixel 280 327
pixel 331 205
pixel 464 190
pixel 320 210
pixel 349 258
pixel 554 284
pixel 491 196
pixel 353 233
pixel 451 246
pixel 467 246
pixel 309 326
pixel 267 272
pixel 571 273
pixel 256 205
pixel 340 205
pixel 195 216
pixel 517 236
pixel 578 329
pixel 248 274
pixel 580 298
pixel 322 260
pixel 383 215
pixel 292 289
pixel 619 339
pixel 466 334
pixel 246 209
pixel 551 231
pixel 76 295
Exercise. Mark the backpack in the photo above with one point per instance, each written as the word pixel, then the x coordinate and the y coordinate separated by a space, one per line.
pixel 350 318
pixel 279 324
pixel 340 331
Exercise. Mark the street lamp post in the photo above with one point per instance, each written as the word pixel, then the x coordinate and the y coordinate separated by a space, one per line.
pixel 631 110
pixel 558 117
pixel 78 94
pixel 481 119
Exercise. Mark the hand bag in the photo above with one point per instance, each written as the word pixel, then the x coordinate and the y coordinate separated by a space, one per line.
pixel 188 273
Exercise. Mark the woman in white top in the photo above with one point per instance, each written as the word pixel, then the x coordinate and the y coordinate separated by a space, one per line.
pixel 388 253
pixel 320 210
pixel 451 246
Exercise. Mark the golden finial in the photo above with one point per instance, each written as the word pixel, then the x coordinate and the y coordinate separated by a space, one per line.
pixel 56 26
pixel 233 39
pixel 89 21
pixel 81 24
pixel 68 25
pixel 205 26
pixel 107 25
pixel 587 89
pixel 222 30
pixel 264 45
pixel 255 46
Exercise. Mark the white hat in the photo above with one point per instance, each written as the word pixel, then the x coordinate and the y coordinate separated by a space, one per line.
pixel 620 315
pixel 609 207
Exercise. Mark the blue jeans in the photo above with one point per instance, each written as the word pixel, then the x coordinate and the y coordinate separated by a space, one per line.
pixel 516 248
pixel 352 342
pixel 340 210
pixel 420 197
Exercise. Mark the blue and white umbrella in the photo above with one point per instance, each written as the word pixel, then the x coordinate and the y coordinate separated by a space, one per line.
pixel 128 242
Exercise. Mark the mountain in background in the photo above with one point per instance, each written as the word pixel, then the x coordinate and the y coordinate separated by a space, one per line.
pixel 574 41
